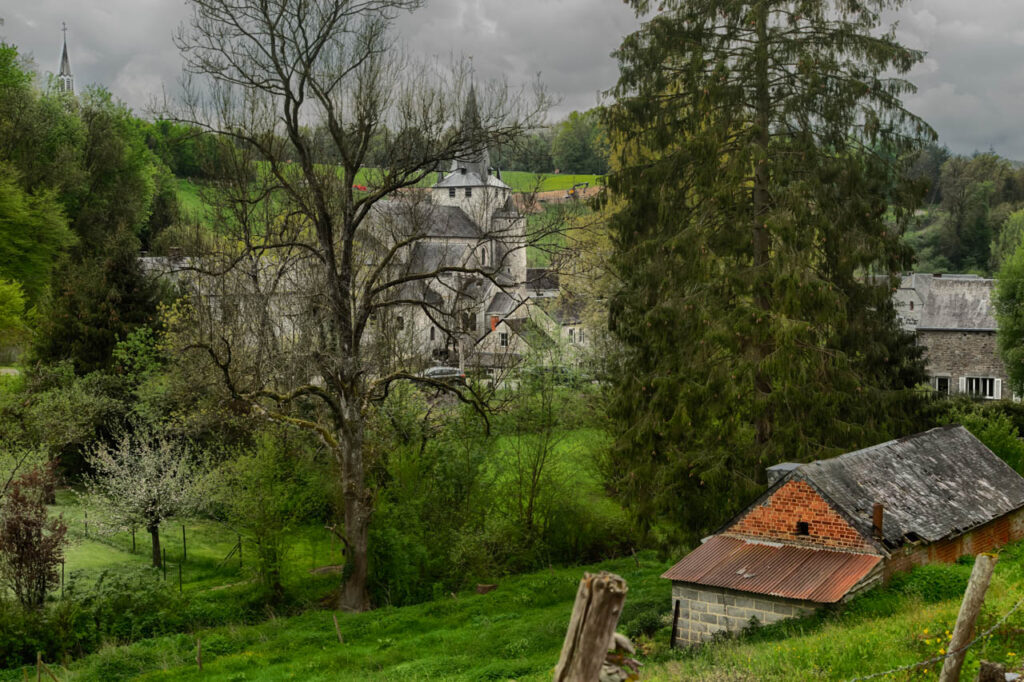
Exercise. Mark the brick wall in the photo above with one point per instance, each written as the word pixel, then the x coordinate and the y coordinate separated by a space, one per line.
pixel 705 611
pixel 958 354
pixel 992 535
pixel 796 501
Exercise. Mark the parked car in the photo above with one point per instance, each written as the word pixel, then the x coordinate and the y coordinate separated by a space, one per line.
pixel 447 375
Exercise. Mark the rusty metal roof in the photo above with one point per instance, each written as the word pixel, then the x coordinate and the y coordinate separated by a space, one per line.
pixel 775 569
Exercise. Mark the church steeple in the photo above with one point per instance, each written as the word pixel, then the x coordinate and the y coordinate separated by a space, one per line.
pixel 65 81
pixel 472 131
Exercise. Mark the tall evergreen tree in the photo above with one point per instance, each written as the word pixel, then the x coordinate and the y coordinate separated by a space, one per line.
pixel 762 209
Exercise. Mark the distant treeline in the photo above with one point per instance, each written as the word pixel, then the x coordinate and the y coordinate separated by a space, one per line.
pixel 975 212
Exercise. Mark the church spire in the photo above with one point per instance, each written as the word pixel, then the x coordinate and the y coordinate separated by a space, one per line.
pixel 472 130
pixel 65 81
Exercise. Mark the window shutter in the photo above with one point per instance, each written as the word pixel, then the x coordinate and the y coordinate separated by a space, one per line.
pixel 963 385
pixel 999 389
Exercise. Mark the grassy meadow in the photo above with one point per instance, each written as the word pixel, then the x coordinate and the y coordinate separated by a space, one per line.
pixel 516 633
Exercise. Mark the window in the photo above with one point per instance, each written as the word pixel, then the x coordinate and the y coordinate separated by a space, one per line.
pixel 572 335
pixel 468 321
pixel 911 305
pixel 400 322
pixel 581 336
pixel 981 387
pixel 803 528
pixel 451 192
pixel 433 333
pixel 503 339
pixel 469 191
pixel 941 384
pixel 483 255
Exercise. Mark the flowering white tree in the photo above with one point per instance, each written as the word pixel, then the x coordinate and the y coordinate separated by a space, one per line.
pixel 144 478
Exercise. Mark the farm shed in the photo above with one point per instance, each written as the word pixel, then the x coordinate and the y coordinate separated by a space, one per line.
pixel 827 530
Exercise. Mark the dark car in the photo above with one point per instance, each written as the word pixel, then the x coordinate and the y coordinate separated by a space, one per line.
pixel 447 375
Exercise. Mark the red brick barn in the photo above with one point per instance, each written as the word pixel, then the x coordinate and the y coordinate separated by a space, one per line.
pixel 826 530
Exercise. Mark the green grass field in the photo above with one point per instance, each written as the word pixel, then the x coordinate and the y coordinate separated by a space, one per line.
pixel 516 632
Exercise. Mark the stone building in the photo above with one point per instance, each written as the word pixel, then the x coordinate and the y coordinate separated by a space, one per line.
pixel 953 317
pixel 828 530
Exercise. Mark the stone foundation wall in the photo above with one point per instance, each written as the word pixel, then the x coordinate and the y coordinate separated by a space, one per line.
pixel 704 611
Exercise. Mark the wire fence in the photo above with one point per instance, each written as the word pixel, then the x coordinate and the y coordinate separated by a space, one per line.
pixel 941 657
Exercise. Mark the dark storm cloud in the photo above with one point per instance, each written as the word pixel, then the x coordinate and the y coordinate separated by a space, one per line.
pixel 971 86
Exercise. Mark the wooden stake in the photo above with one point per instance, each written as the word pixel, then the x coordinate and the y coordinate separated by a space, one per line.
pixel 184 546
pixel 199 653
pixel 595 614
pixel 337 629
pixel 39 666
pixel 974 597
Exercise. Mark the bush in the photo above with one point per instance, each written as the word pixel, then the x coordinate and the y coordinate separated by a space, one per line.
pixel 933 582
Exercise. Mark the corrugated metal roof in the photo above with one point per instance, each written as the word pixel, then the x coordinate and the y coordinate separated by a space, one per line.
pixel 779 570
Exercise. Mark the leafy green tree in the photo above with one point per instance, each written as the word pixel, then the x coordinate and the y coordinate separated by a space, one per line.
pixel 580 144
pixel 1010 316
pixel 757 244
pixel 33 233
pixel 1011 235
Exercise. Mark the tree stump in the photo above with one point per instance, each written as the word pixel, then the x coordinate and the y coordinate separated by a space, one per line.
pixel 991 672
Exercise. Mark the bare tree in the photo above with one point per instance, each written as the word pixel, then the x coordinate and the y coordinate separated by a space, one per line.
pixel 318 268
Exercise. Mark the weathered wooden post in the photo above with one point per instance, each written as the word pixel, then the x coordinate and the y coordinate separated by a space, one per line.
pixel 595 614
pixel 184 545
pixel 199 653
pixel 974 597
pixel 337 629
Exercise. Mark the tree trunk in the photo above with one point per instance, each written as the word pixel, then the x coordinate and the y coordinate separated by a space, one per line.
pixel 358 504
pixel 761 239
pixel 154 533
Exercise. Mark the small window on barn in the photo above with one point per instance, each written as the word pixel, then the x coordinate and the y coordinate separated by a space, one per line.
pixel 503 339
pixel 451 192
pixel 911 305
pixel 803 528
pixel 469 191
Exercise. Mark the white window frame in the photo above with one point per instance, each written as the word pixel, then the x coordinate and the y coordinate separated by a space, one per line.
pixel 503 339
pixel 989 388
pixel 934 381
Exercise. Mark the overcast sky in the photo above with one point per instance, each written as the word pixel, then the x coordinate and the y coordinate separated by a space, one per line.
pixel 971 86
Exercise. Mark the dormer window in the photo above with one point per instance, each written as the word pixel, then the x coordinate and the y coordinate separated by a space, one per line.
pixel 462 170
pixel 451 192
pixel 803 528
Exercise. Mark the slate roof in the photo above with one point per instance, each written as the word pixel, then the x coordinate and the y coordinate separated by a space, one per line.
pixel 541 279
pixel 933 485
pixel 430 220
pixel 955 302
pixel 775 569
pixel 470 179
pixel 502 304
pixel 430 256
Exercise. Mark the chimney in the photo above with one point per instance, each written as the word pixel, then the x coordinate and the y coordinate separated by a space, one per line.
pixel 877 515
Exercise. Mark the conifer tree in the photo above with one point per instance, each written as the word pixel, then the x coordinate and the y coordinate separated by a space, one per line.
pixel 762 205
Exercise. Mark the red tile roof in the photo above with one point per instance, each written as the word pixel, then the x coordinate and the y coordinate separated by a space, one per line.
pixel 818 575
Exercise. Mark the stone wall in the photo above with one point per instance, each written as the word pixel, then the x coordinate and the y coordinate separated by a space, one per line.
pixel 956 354
pixel 704 611
pixel 796 501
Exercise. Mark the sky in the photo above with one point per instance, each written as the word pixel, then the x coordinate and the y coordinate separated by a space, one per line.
pixel 970 86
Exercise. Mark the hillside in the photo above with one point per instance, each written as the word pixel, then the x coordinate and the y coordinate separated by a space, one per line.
pixel 516 632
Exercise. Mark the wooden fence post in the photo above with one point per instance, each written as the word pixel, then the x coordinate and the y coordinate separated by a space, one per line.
pixel 595 614
pixel 974 597
pixel 337 629
pixel 199 653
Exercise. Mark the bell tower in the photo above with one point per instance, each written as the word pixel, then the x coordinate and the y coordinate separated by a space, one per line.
pixel 65 81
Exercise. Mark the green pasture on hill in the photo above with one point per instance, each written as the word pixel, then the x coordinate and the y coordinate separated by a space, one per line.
pixel 516 632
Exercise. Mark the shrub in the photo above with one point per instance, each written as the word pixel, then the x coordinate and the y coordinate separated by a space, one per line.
pixel 31 544
pixel 933 582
